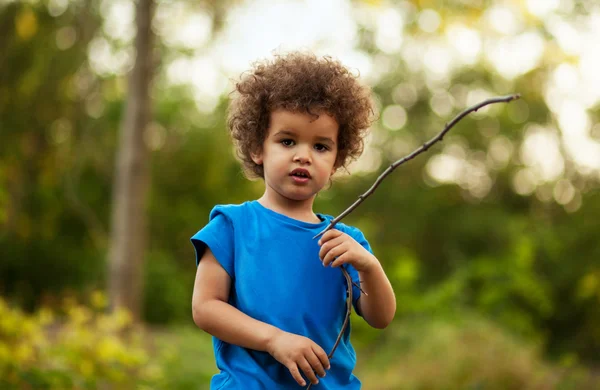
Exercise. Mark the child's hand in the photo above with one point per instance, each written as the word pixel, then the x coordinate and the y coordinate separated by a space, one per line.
pixel 338 248
pixel 298 352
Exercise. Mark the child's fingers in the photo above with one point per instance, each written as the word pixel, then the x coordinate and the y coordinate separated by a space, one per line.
pixel 341 259
pixel 333 253
pixel 315 363
pixel 293 368
pixel 326 246
pixel 308 371
pixel 322 355
pixel 328 235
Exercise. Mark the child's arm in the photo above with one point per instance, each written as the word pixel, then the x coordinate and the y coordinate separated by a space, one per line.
pixel 379 306
pixel 213 314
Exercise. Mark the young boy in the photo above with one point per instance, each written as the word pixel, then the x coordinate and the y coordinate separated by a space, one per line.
pixel 269 293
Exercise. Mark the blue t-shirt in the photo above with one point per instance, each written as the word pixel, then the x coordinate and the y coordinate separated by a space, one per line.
pixel 278 278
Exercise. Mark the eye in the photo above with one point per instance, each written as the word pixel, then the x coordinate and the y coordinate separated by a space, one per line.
pixel 321 147
pixel 287 142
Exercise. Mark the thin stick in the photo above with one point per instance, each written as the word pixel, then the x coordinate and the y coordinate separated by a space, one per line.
pixel 423 148
pixel 361 198
pixel 346 319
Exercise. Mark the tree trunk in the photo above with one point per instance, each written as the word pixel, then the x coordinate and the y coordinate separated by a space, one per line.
pixel 131 181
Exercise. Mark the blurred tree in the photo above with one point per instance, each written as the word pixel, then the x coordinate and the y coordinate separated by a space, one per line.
pixel 475 222
pixel 128 240
pixel 44 83
pixel 128 237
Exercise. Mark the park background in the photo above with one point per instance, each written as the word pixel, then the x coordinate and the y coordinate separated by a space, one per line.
pixel 490 239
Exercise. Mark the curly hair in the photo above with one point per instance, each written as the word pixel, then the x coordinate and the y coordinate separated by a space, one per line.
pixel 298 82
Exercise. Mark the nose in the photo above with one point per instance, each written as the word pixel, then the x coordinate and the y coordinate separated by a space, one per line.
pixel 302 155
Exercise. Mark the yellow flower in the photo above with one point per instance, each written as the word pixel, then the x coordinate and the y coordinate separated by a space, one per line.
pixel 23 353
pixel 123 318
pixel 9 324
pixel 45 316
pixel 108 348
pixel 4 353
pixel 152 372
pixel 99 300
pixel 79 315
pixel 86 368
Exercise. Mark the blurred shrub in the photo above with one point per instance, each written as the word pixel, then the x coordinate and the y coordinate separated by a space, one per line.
pixel 189 361
pixel 463 352
pixel 168 291
pixel 80 348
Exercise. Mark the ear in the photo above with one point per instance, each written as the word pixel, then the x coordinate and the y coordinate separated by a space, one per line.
pixel 257 158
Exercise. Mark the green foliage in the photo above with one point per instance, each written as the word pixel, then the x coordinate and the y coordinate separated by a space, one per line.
pixel 190 361
pixel 168 295
pixel 524 262
pixel 462 351
pixel 82 349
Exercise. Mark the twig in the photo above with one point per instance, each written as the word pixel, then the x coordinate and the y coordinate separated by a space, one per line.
pixel 346 319
pixel 424 147
pixel 361 198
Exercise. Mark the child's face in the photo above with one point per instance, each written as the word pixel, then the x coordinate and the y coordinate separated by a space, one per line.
pixel 298 154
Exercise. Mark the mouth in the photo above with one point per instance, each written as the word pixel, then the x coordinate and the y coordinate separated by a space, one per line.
pixel 300 175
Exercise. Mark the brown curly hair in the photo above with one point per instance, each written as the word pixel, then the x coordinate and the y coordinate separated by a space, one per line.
pixel 298 82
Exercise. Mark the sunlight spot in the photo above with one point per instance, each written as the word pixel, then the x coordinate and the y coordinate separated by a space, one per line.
pixel 566 78
pixel 429 20
pixel 289 25
pixel 104 60
pixel 369 162
pixel 444 168
pixel 193 27
pixel 405 94
pixel 589 63
pixel 541 8
pixel 503 20
pixel 574 204
pixel 500 151
pixel 66 38
pixel 575 125
pixel 541 152
pixel 60 131
pixel 567 36
pixel 467 43
pixel 94 105
pixel 514 56
pixel 394 117
pixel 388 34
pixel 476 96
pixel 563 192
pixel 119 19
pixel 26 23
pixel 441 103
pixel 438 59
pixel 524 182
pixel 57 7
pixel 544 192
pixel 476 179
pixel 457 148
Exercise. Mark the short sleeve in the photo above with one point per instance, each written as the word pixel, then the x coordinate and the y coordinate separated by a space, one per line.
pixel 218 236
pixel 360 238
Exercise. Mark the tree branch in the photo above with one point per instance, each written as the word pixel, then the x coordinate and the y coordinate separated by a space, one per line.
pixel 361 198
pixel 423 148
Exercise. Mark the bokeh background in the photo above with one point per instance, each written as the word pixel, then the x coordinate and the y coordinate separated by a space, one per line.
pixel 491 239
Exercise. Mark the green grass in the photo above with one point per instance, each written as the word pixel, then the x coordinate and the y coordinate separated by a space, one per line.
pixel 466 353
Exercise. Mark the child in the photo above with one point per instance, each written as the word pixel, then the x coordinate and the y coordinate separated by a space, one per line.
pixel 267 291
